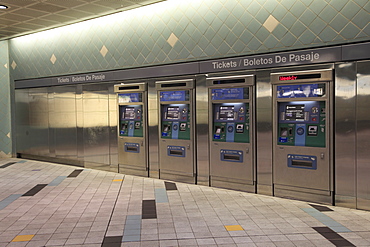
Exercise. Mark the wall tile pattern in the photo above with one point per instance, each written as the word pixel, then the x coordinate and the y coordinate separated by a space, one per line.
pixel 180 31
pixel 5 140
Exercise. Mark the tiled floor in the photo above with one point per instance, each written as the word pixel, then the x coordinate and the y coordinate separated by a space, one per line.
pixel 45 204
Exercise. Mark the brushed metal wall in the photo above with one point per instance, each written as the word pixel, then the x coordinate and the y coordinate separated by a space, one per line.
pixel 77 125
pixel 363 135
pixel 70 124
pixel 345 134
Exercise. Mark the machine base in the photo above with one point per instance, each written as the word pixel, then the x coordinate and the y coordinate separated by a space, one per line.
pixel 234 185
pixel 132 171
pixel 185 178
pixel 305 194
pixel 51 159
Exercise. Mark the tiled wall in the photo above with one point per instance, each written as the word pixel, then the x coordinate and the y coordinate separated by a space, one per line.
pixel 5 140
pixel 178 31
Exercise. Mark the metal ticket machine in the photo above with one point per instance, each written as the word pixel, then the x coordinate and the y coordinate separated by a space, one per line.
pixel 176 130
pixel 302 152
pixel 132 129
pixel 231 132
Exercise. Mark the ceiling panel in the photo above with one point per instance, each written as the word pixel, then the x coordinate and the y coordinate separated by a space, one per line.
pixel 29 16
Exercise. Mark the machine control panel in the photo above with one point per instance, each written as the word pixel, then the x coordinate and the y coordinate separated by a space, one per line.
pixel 131 121
pixel 175 121
pixel 231 120
pixel 301 122
pixel 130 114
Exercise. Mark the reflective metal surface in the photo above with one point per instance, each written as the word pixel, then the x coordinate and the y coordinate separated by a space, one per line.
pixel 96 126
pixel 264 132
pixel 363 135
pixel 202 147
pixel 345 134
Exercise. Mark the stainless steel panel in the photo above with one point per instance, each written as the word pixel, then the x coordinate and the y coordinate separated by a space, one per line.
pixel 363 135
pixel 96 126
pixel 345 134
pixel 264 132
pixel 153 130
pixel 113 151
pixel 63 121
pixel 22 121
pixel 202 131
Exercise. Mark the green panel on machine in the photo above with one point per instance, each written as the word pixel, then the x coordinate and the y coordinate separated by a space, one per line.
pixel 302 123
pixel 131 121
pixel 175 122
pixel 231 122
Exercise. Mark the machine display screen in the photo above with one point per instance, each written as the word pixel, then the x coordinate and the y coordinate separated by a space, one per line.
pixel 294 112
pixel 226 113
pixel 129 113
pixel 173 113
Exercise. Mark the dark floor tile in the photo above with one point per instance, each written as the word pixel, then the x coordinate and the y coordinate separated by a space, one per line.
pixel 341 243
pixel 332 236
pixel 34 190
pixel 321 208
pixel 75 173
pixel 322 229
pixel 112 239
pixel 149 210
pixel 7 164
pixel 170 186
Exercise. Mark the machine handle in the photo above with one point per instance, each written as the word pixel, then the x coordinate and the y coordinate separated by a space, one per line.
pixel 142 143
pixel 247 150
pixel 188 147
pixel 322 155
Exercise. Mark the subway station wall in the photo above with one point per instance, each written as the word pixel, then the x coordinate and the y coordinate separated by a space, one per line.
pixel 182 31
pixel 5 130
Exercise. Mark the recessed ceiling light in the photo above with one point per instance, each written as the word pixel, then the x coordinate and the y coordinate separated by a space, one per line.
pixel 3 6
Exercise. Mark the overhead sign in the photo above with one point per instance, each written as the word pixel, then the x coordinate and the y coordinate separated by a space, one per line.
pixel 312 56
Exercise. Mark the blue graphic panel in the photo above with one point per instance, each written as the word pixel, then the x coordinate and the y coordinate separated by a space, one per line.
pixel 132 147
pixel 231 155
pixel 229 93
pixel 176 151
pixel 129 97
pixel 301 91
pixel 174 95
pixel 302 161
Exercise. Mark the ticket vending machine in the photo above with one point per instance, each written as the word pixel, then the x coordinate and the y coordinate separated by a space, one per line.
pixel 176 130
pixel 302 152
pixel 231 132
pixel 132 129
